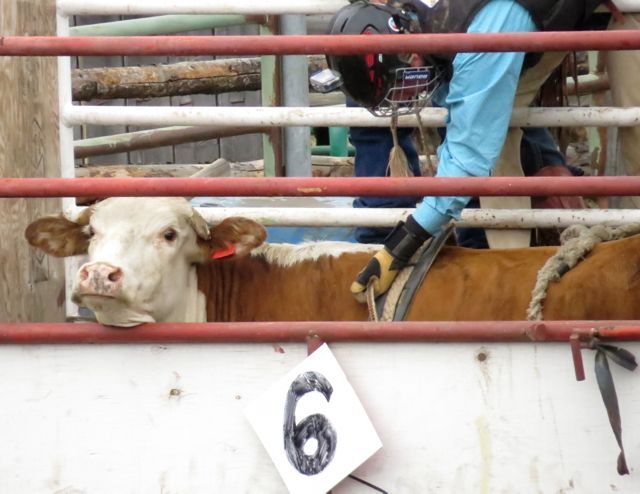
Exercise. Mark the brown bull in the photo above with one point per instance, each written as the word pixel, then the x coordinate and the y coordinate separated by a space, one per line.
pixel 150 259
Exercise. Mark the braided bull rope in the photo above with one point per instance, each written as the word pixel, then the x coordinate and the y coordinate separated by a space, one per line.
pixel 576 242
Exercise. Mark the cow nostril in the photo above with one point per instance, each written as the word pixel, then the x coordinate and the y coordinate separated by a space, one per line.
pixel 115 275
pixel 84 274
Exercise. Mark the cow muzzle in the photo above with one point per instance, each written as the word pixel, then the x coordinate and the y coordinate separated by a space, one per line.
pixel 99 279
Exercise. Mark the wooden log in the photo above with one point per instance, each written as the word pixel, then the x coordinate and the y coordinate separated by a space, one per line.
pixel 109 171
pixel 219 168
pixel 328 99
pixel 331 166
pixel 184 78
pixel 324 166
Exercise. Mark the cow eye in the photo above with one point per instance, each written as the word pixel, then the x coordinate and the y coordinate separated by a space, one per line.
pixel 170 235
pixel 90 231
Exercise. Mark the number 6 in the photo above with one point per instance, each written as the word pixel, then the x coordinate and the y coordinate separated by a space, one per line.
pixel 314 426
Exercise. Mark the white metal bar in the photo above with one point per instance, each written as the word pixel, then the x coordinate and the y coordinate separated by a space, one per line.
pixel 156 7
pixel 628 5
pixel 384 217
pixel 381 217
pixel 275 7
pixel 67 161
pixel 331 116
pixel 240 116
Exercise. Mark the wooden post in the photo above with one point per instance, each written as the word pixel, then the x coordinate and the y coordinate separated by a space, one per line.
pixel 32 285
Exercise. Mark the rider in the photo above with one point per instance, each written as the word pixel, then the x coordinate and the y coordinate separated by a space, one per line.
pixel 479 90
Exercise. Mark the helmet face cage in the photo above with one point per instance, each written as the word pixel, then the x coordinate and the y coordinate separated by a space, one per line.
pixel 409 91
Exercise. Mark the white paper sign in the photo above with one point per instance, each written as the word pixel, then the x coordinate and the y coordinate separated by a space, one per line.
pixel 313 426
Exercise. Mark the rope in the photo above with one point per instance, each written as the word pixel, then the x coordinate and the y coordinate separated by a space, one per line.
pixel 394 292
pixel 394 129
pixel 371 302
pixel 576 242
pixel 398 165
pixel 425 145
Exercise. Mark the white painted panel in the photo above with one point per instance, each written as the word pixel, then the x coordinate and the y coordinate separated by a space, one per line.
pixel 104 419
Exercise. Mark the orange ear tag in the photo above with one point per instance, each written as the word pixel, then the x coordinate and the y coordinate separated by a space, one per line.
pixel 227 251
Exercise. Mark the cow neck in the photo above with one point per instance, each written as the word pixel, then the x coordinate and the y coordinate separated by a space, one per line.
pixel 253 289
pixel 193 307
pixel 232 289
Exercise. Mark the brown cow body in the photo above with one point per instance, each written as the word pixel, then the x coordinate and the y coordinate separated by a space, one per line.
pixel 147 271
pixel 463 284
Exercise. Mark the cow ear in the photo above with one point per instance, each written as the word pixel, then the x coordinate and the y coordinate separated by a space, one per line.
pixel 200 226
pixel 242 233
pixel 58 236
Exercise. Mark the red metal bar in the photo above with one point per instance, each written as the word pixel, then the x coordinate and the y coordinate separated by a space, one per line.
pixel 319 186
pixel 576 354
pixel 316 44
pixel 329 331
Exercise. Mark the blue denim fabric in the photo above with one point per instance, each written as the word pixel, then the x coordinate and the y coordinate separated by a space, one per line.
pixel 373 145
pixel 538 149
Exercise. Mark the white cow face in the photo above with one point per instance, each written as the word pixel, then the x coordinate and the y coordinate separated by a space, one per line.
pixel 142 253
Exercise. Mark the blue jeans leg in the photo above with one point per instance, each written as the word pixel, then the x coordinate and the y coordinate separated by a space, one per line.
pixel 372 146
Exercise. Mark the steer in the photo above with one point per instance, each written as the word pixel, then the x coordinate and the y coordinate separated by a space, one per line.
pixel 156 260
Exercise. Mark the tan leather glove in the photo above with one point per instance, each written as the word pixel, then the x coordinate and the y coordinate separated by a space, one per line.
pixel 399 246
pixel 378 271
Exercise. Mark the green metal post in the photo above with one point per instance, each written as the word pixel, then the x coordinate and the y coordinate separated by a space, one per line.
pixel 164 24
pixel 338 141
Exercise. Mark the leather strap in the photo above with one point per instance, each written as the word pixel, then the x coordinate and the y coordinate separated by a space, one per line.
pixel 419 271
pixel 625 359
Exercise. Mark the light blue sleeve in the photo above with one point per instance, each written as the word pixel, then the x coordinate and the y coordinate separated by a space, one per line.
pixel 479 101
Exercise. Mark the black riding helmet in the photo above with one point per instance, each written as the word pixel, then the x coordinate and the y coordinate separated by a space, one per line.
pixel 367 78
